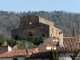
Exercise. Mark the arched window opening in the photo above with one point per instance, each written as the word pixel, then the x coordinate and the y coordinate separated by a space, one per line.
pixel 16 37
pixel 30 34
pixel 43 35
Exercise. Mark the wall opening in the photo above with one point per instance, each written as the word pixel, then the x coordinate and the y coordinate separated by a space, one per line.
pixel 43 35
pixel 15 59
pixel 30 34
pixel 52 30
pixel 16 37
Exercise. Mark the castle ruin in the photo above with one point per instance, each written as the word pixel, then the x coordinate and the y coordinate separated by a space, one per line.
pixel 34 26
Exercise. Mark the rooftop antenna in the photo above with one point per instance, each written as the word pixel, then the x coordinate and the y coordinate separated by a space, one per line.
pixel 27 46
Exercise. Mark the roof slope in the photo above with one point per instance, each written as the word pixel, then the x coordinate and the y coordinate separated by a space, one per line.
pixel 17 53
pixel 70 45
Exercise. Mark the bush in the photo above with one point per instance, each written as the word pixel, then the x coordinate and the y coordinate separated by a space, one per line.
pixel 11 42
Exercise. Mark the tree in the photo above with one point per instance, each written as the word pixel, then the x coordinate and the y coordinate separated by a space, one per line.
pixel 55 55
pixel 2 40
pixel 11 42
pixel 73 31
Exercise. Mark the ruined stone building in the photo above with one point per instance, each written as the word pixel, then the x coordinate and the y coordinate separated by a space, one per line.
pixel 34 26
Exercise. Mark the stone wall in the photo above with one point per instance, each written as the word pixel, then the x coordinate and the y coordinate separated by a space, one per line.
pixel 47 22
pixel 15 34
pixel 34 26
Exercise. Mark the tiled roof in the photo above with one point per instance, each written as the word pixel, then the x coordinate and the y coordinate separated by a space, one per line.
pixel 70 45
pixel 48 45
pixel 41 54
pixel 3 49
pixel 16 53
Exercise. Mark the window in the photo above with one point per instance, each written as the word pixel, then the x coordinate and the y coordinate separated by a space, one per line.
pixel 52 30
pixel 43 35
pixel 16 37
pixel 15 59
pixel 30 34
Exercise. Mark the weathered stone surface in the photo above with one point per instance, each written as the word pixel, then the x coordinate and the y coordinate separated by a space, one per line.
pixel 34 26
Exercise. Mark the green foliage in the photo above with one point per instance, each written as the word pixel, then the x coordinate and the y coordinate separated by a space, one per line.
pixel 73 32
pixel 11 42
pixel 22 46
pixel 55 55
pixel 63 20
pixel 19 43
pixel 29 38
pixel 2 40
pixel 31 45
pixel 41 38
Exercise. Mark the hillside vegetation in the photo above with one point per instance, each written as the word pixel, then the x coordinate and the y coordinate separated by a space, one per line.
pixel 63 20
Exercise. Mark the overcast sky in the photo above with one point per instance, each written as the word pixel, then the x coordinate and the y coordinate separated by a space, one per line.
pixel 40 5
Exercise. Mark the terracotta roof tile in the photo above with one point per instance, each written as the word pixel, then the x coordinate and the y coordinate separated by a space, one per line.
pixel 41 54
pixel 16 53
pixel 48 44
pixel 70 45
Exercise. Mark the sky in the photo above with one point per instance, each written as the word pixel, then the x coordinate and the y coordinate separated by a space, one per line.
pixel 40 5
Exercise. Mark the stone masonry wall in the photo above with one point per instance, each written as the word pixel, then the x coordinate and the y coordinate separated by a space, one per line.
pixel 34 26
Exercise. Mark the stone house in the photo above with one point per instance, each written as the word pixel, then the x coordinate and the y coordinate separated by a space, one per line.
pixel 34 26
pixel 51 42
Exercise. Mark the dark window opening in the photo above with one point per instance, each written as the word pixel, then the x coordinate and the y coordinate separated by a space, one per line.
pixel 30 34
pixel 57 43
pixel 15 59
pixel 43 35
pixel 16 37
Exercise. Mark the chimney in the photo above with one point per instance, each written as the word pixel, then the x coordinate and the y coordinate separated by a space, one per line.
pixel 61 39
pixel 9 48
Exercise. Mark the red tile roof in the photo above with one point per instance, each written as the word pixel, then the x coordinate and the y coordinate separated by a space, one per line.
pixel 48 45
pixel 17 53
pixel 41 54
pixel 70 45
